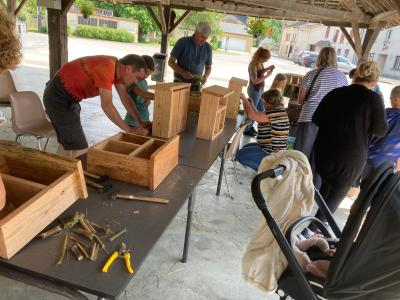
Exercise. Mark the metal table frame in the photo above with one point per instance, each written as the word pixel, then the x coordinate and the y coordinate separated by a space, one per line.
pixel 189 145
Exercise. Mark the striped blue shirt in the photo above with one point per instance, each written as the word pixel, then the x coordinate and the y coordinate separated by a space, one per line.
pixel 328 79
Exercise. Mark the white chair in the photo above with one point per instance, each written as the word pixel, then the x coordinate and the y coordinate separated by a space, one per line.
pixel 7 87
pixel 231 150
pixel 28 117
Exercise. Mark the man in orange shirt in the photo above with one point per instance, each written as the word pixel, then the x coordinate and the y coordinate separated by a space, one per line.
pixel 84 78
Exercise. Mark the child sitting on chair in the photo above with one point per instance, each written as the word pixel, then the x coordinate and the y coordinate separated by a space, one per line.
pixel 387 148
pixel 141 97
pixel 273 129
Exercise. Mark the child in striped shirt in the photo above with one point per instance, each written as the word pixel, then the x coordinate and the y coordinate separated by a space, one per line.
pixel 273 129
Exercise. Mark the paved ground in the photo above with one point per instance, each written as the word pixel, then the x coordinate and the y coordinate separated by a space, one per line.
pixel 222 226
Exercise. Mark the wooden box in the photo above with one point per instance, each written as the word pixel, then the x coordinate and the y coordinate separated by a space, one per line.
pixel 135 159
pixel 39 187
pixel 237 85
pixel 171 101
pixel 214 102
pixel 292 87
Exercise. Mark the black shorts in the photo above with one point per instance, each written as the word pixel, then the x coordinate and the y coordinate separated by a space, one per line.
pixel 64 113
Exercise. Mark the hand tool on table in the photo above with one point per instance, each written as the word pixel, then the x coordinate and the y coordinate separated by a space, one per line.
pixel 100 188
pixel 115 196
pixel 96 178
pixel 123 253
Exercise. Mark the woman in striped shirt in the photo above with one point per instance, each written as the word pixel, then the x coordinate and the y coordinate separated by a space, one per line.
pixel 273 129
pixel 316 84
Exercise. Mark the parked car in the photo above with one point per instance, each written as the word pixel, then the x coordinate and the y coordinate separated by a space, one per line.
pixel 344 64
pixel 310 60
pixel 298 59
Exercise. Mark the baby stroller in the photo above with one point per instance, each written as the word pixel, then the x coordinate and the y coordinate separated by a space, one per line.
pixel 366 264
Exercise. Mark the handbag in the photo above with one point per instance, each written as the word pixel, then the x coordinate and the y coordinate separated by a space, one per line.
pixel 294 108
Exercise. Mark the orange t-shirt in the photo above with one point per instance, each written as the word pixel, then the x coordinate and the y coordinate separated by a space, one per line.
pixel 83 77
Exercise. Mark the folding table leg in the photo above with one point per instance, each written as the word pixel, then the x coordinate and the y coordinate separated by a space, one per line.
pixel 221 170
pixel 188 225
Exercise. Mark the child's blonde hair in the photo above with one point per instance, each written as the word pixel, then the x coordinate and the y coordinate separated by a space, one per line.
pixel 273 97
pixel 278 78
pixel 395 93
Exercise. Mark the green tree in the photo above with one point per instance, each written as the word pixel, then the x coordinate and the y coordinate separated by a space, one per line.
pixel 274 29
pixel 136 12
pixel 212 18
pixel 256 27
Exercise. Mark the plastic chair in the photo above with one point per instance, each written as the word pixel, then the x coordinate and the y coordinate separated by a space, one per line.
pixel 28 117
pixel 231 150
pixel 7 87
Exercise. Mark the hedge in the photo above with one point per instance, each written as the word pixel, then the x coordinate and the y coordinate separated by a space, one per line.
pixel 101 33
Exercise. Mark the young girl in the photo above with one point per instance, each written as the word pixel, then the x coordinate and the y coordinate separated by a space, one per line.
pixel 273 129
pixel 257 76
pixel 141 97
pixel 279 82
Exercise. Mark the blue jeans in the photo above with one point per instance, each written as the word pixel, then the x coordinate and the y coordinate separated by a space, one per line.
pixel 255 96
pixel 251 155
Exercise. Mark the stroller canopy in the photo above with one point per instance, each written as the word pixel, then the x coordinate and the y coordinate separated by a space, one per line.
pixel 366 264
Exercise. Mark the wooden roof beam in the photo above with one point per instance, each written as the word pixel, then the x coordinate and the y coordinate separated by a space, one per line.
pixel 397 3
pixel 385 17
pixel 317 11
pixel 351 5
pixel 246 10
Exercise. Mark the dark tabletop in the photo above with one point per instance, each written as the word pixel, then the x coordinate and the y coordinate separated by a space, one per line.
pixel 39 257
pixel 199 153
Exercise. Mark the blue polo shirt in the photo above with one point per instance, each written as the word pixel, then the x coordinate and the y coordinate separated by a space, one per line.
pixel 191 56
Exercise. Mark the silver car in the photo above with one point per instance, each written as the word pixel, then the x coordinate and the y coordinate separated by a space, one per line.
pixel 344 64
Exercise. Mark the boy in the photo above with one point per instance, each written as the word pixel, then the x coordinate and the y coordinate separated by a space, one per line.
pixel 140 96
pixel 388 147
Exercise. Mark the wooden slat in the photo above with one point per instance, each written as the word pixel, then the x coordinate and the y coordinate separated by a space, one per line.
pixel 154 17
pixel 357 39
pixel 369 39
pixel 181 18
pixel 349 38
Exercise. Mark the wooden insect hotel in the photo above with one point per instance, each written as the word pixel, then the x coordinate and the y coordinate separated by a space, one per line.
pixel 39 187
pixel 214 103
pixel 237 85
pixel 135 159
pixel 171 101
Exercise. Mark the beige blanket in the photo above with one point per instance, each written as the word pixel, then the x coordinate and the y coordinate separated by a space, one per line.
pixel 287 199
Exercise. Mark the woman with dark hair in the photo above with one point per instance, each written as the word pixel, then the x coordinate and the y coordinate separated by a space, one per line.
pixel 347 118
pixel 257 76
pixel 313 87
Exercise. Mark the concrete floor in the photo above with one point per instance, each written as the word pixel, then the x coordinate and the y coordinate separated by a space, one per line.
pixel 221 230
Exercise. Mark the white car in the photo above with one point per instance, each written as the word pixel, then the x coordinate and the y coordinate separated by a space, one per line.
pixel 344 64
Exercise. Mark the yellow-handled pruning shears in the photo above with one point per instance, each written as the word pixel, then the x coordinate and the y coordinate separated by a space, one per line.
pixel 123 252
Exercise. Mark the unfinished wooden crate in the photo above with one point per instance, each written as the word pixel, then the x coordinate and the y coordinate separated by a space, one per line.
pixel 214 102
pixel 171 101
pixel 292 87
pixel 237 85
pixel 39 187
pixel 135 159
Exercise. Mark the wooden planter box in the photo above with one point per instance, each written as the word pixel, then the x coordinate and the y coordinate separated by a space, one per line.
pixel 214 102
pixel 39 187
pixel 135 159
pixel 171 101
pixel 237 85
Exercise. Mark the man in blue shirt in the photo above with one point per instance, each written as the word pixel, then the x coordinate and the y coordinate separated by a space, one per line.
pixel 191 56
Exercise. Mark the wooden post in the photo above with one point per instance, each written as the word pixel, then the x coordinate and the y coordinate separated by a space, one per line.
pixel 165 35
pixel 357 39
pixel 369 39
pixel 11 7
pixel 58 36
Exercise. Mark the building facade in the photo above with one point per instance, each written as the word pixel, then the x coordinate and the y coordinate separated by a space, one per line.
pixel 299 36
